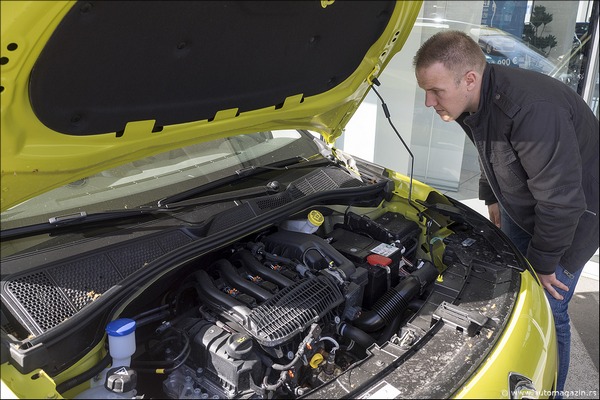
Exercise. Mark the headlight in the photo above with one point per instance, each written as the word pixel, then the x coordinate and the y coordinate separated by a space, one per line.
pixel 521 387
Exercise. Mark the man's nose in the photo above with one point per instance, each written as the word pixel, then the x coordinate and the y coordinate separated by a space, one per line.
pixel 430 100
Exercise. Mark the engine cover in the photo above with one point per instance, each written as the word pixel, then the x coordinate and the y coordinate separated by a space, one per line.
pixel 293 309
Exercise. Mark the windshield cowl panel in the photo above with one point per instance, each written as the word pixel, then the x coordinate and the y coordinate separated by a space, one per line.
pixel 146 181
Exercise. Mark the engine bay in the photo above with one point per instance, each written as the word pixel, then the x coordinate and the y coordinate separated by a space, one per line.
pixel 291 310
pixel 285 313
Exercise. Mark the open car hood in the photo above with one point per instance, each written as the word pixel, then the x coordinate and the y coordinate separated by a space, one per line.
pixel 89 85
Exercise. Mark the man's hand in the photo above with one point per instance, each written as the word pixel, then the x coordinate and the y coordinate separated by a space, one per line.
pixel 494 212
pixel 549 282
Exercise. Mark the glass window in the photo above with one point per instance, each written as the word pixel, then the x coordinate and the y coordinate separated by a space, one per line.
pixel 146 181
pixel 551 37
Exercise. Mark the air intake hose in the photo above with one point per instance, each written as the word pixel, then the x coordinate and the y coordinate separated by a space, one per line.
pixel 229 274
pixel 395 301
pixel 209 294
pixel 353 333
pixel 246 259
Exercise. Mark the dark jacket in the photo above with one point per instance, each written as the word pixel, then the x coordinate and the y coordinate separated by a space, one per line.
pixel 538 147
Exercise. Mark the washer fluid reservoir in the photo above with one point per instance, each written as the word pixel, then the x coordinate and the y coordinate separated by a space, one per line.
pixel 312 222
pixel 118 381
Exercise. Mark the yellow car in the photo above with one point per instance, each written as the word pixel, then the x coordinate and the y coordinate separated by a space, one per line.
pixel 177 222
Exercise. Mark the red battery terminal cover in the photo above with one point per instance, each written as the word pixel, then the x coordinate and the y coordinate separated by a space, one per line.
pixel 376 259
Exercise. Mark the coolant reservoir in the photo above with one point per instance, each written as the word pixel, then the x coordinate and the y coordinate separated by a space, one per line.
pixel 308 225
pixel 119 384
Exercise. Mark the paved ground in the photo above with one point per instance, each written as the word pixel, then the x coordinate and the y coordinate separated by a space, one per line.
pixel 582 381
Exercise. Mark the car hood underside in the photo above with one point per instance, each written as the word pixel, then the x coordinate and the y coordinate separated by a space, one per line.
pixel 92 85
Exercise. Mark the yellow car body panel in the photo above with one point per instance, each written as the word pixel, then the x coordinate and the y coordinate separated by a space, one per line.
pixel 36 159
pixel 529 331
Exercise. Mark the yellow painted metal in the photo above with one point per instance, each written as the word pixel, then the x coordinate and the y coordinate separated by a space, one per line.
pixel 530 331
pixel 35 159
pixel 36 385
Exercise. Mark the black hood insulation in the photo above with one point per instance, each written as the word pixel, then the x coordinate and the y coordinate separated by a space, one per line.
pixel 112 62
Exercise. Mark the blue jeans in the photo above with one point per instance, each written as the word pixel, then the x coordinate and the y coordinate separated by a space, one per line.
pixel 560 308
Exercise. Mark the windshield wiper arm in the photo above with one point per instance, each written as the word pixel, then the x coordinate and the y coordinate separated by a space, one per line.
pixel 290 163
pixel 76 219
pixel 83 218
pixel 67 218
pixel 270 188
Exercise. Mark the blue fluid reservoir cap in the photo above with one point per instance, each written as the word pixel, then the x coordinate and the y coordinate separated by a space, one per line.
pixel 120 327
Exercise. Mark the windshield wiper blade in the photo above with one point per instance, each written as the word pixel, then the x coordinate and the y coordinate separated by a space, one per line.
pixel 171 203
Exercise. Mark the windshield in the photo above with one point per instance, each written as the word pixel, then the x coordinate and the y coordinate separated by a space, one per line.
pixel 146 181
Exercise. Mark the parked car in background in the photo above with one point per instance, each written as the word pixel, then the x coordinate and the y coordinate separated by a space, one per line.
pixel 581 28
pixel 176 222
pixel 507 49
pixel 495 41
pixel 503 48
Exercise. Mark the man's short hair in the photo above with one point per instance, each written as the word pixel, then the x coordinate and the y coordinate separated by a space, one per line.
pixel 456 50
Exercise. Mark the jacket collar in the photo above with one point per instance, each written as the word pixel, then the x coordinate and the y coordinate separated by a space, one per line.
pixel 493 92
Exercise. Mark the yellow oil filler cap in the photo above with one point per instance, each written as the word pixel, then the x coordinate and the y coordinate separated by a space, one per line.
pixel 317 359
pixel 315 218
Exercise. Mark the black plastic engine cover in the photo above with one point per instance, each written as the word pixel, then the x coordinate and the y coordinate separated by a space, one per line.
pixel 211 350
pixel 308 249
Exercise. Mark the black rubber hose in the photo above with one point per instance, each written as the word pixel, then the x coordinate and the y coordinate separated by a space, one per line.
pixel 392 303
pixel 161 316
pixel 230 275
pixel 87 375
pixel 396 300
pixel 272 387
pixel 180 337
pixel 149 312
pixel 250 262
pixel 390 329
pixel 175 363
pixel 356 334
pixel 209 294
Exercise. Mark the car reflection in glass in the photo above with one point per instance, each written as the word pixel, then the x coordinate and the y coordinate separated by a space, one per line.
pixel 503 48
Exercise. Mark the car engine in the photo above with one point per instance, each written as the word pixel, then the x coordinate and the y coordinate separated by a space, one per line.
pixel 288 311
pixel 283 310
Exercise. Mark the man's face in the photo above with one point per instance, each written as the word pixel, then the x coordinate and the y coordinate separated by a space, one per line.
pixel 448 98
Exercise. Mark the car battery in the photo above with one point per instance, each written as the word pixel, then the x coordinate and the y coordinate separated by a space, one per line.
pixel 389 228
pixel 381 260
pixel 398 226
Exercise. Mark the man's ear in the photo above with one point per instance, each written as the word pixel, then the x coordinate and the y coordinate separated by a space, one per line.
pixel 472 78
